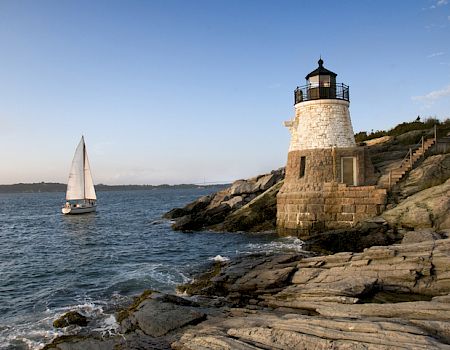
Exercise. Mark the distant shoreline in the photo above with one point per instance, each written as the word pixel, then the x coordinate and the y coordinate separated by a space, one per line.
pixel 60 187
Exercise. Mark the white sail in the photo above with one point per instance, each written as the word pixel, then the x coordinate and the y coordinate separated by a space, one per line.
pixel 75 184
pixel 80 184
pixel 89 190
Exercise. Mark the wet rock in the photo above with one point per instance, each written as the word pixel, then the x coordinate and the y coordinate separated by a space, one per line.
pixel 157 318
pixel 175 213
pixel 70 318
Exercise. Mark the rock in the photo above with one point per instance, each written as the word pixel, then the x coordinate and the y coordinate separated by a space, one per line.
pixel 241 187
pixel 219 198
pixel 80 343
pixel 199 204
pixel 365 235
pixel 70 318
pixel 157 318
pixel 420 236
pixel 256 216
pixel 265 182
pixel 433 171
pixel 235 202
pixel 210 212
pixel 426 209
pixel 175 213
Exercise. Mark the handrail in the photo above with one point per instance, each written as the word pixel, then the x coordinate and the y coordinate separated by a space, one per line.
pixel 311 92
pixel 408 156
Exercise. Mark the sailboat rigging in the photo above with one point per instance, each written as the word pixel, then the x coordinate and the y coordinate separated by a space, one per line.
pixel 80 195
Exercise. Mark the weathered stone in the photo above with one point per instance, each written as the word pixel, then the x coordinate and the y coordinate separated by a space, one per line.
pixel 426 209
pixel 242 186
pixel 70 318
pixel 235 202
pixel 433 171
pixel 420 236
pixel 157 318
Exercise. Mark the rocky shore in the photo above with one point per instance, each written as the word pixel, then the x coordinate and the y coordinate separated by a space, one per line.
pixel 247 205
pixel 384 284
pixel 386 297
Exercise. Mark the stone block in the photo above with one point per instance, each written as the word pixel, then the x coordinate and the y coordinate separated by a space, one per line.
pixel 348 209
pixel 360 208
pixel 333 208
pixel 332 201
pixel 315 208
pixel 344 217
pixel 372 209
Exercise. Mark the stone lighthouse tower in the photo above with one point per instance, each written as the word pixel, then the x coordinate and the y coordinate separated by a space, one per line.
pixel 329 179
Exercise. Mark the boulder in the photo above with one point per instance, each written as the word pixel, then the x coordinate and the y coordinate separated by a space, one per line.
pixel 433 171
pixel 235 202
pixel 426 209
pixel 265 182
pixel 241 187
pixel 420 236
pixel 215 212
pixel 256 216
pixel 70 318
pixel 156 318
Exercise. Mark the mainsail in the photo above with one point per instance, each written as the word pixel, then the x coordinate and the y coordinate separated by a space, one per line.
pixel 80 184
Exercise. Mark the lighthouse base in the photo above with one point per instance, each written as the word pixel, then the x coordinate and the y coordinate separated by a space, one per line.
pixel 311 209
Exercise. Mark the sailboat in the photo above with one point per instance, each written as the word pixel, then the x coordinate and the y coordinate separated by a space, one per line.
pixel 80 195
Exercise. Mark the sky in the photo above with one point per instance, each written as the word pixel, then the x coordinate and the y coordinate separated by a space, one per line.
pixel 168 91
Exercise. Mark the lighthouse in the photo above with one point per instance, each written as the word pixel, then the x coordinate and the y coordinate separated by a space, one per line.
pixel 329 180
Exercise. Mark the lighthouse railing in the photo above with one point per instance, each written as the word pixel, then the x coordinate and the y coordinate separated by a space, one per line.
pixel 310 92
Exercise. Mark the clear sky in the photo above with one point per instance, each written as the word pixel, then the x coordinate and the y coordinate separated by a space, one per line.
pixel 169 91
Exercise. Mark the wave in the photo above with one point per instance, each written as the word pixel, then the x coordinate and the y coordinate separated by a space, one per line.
pixel 285 244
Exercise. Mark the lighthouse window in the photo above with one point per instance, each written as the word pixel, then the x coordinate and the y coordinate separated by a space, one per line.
pixel 302 166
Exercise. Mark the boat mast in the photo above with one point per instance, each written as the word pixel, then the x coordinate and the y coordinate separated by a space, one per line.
pixel 84 175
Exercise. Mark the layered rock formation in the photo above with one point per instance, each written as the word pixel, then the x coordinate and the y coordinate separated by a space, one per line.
pixel 384 298
pixel 247 205
pixel 390 297
pixel 429 208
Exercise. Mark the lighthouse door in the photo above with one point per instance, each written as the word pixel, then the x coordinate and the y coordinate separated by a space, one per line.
pixel 348 170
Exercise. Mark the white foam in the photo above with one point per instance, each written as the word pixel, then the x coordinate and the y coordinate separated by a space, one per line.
pixel 290 244
pixel 220 258
pixel 108 326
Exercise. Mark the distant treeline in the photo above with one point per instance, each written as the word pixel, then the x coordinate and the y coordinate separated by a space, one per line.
pixel 442 127
pixel 58 187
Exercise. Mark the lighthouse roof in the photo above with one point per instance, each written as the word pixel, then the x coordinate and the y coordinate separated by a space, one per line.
pixel 321 70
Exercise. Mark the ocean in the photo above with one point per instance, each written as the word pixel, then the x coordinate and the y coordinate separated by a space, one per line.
pixel 93 263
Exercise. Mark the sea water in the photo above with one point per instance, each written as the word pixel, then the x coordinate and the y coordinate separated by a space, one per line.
pixel 52 263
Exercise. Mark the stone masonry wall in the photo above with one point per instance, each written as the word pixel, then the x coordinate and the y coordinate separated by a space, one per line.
pixel 324 165
pixel 307 209
pixel 321 124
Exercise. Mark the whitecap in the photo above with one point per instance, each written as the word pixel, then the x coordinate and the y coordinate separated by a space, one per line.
pixel 285 244
pixel 220 258
pixel 107 326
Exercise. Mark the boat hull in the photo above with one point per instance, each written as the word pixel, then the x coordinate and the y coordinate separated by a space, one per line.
pixel 78 210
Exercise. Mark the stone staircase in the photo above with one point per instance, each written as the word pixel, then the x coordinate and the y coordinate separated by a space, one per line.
pixel 396 174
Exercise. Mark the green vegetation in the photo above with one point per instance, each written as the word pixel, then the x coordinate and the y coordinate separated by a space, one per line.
pixel 443 127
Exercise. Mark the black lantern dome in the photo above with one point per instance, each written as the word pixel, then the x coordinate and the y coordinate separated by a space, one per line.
pixel 321 71
pixel 321 84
